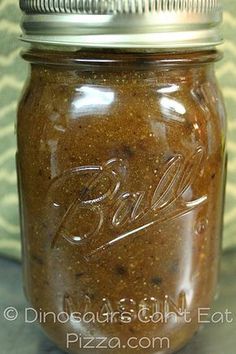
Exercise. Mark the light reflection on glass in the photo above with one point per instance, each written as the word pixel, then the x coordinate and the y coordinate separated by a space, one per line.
pixel 168 89
pixel 196 126
pixel 159 130
pixel 173 109
pixel 52 144
pixel 92 100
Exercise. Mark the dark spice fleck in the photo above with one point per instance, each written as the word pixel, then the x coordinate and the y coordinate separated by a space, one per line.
pixel 121 270
pixel 79 275
pixel 40 173
pixel 157 280
pixel 128 151
pixel 213 175
pixel 189 126
pixel 37 259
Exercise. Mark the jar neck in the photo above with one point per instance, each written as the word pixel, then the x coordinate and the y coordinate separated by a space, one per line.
pixel 81 57
pixel 179 67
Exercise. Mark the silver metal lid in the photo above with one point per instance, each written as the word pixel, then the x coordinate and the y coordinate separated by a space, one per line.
pixel 159 24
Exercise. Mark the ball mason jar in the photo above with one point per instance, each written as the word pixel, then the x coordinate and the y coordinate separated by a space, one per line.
pixel 121 170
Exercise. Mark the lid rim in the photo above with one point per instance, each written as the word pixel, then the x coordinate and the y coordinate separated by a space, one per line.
pixel 159 25
pixel 118 6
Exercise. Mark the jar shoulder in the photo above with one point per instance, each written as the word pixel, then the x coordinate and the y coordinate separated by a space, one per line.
pixel 106 103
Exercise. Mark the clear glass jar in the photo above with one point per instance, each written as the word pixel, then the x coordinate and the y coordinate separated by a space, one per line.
pixel 121 167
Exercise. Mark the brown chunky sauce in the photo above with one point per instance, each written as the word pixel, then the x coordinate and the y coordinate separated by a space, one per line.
pixel 121 173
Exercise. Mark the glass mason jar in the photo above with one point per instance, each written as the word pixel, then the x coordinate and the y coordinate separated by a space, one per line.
pixel 121 170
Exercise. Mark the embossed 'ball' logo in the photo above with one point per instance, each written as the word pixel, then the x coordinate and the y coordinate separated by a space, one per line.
pixel 93 196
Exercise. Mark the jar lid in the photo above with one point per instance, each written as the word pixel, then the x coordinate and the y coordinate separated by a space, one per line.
pixel 159 24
